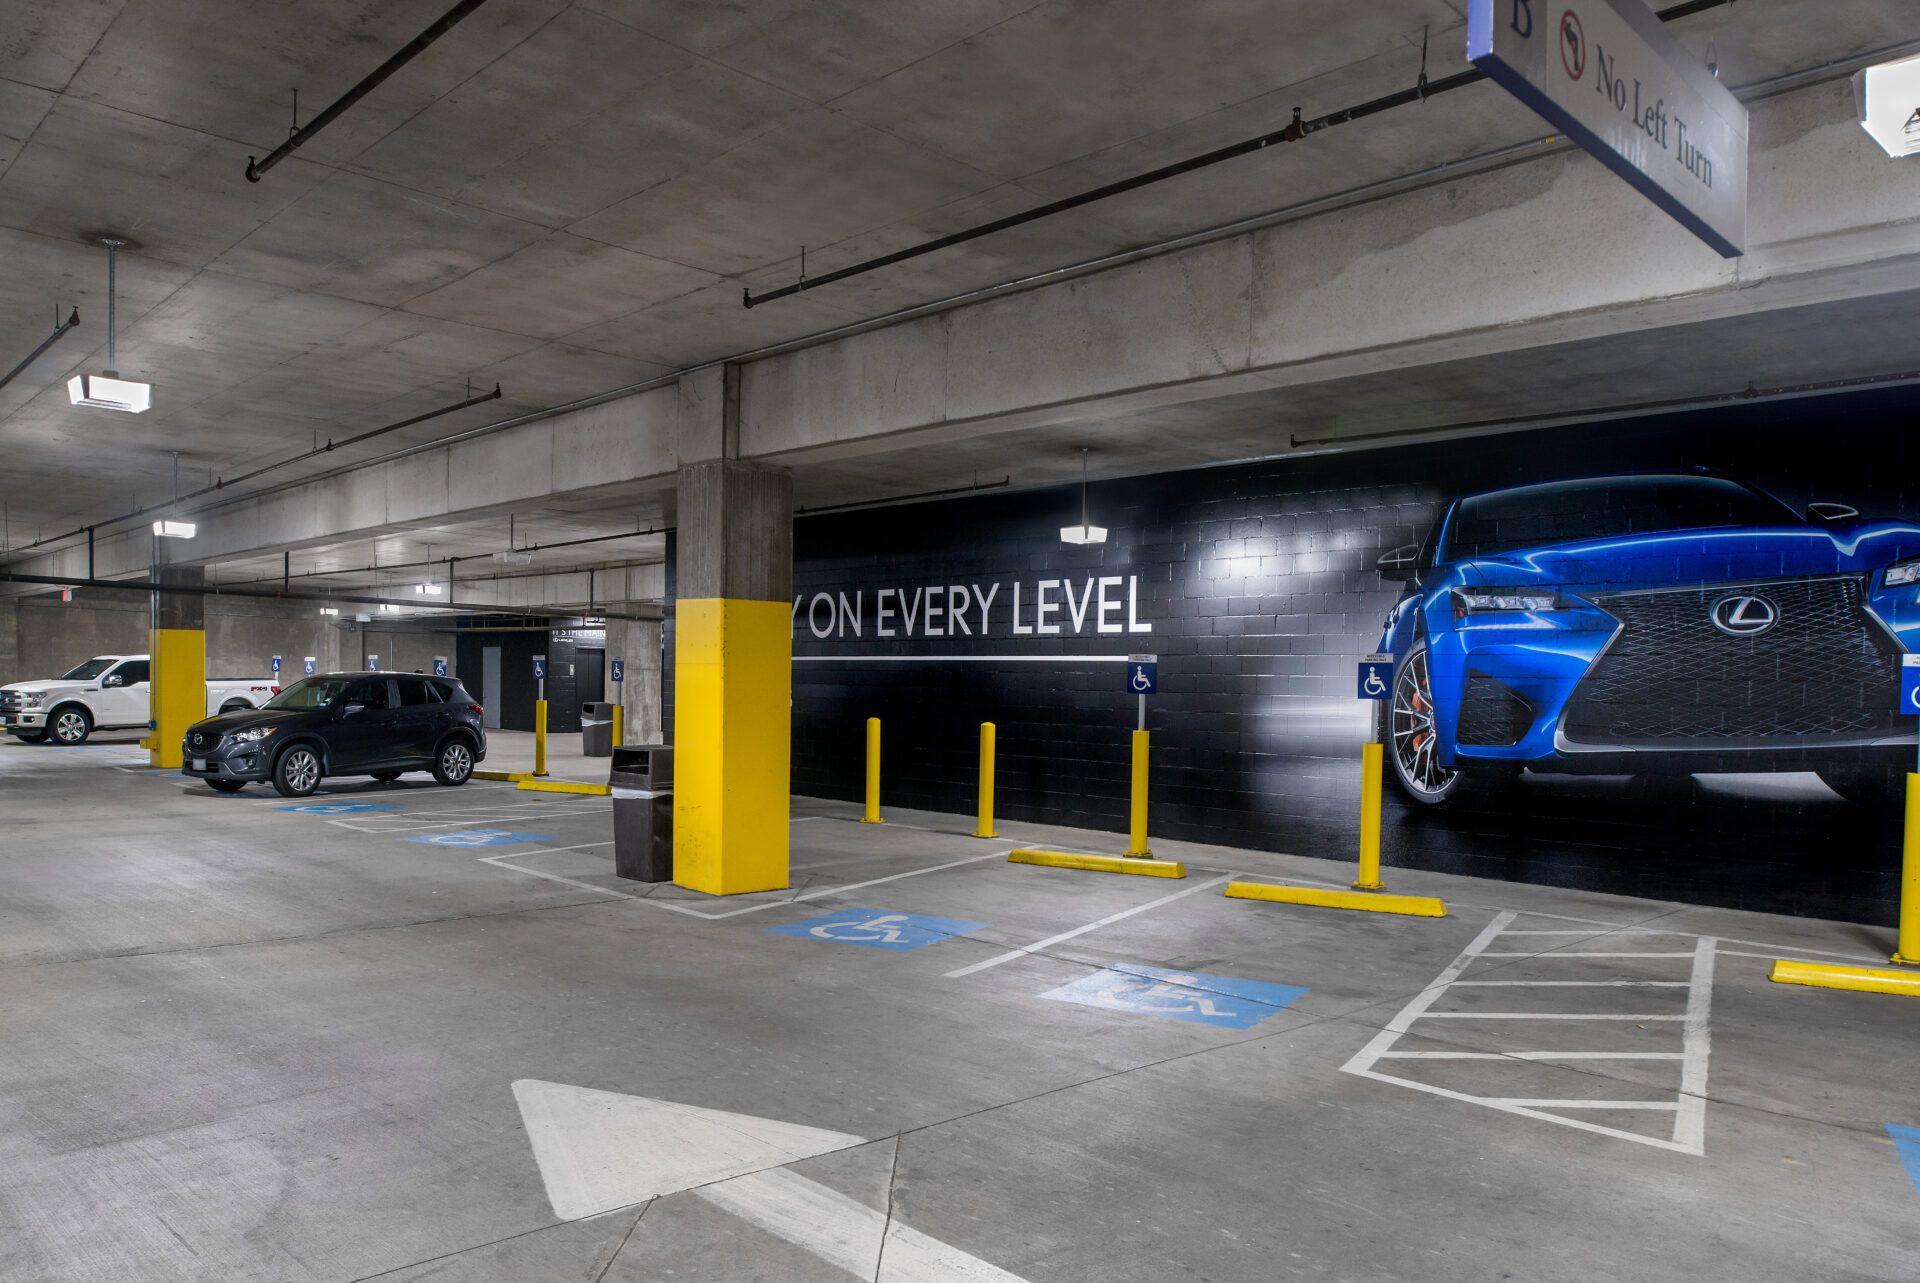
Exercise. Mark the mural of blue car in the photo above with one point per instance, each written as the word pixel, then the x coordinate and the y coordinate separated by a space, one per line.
pixel 1650 624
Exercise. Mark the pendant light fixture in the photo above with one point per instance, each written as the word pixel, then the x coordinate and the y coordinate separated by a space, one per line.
pixel 107 390
pixel 1084 533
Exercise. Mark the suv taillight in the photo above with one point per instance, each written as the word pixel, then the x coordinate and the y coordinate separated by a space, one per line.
pixel 477 710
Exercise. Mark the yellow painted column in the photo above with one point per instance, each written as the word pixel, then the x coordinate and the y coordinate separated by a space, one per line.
pixel 873 773
pixel 1908 948
pixel 619 724
pixel 1369 879
pixel 178 682
pixel 984 829
pixel 540 737
pixel 733 737
pixel 1137 843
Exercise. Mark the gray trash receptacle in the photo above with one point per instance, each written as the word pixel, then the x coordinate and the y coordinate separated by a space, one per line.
pixel 642 781
pixel 596 729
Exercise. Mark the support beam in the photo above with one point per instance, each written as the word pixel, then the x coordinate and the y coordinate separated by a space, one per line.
pixel 733 678
pixel 179 656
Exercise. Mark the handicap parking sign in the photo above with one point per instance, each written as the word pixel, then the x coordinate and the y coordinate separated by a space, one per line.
pixel 478 837
pixel 1143 674
pixel 539 668
pixel 1376 677
pixel 879 929
pixel 439 665
pixel 619 670
pixel 276 665
pixel 336 808
pixel 309 663
pixel 1910 683
pixel 1221 1001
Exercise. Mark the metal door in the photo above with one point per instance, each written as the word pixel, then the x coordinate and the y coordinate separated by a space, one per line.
pixel 490 686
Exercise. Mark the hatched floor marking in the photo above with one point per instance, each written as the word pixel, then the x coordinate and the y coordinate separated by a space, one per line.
pixel 1688 1104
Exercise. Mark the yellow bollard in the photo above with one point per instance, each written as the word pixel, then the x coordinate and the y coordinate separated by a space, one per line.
pixel 1369 879
pixel 619 725
pixel 873 773
pixel 984 829
pixel 1908 948
pixel 1137 843
pixel 540 737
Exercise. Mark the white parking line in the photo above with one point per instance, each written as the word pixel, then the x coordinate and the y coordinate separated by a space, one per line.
pixel 1110 919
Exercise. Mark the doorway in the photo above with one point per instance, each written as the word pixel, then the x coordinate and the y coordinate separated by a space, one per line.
pixel 590 682
pixel 490 686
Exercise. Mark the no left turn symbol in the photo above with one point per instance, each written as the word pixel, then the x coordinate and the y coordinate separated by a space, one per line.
pixel 1573 45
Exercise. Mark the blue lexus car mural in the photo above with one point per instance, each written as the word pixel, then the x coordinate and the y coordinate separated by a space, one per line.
pixel 1671 623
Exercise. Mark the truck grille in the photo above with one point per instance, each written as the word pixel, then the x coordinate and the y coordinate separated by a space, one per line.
pixel 1824 671
pixel 9 701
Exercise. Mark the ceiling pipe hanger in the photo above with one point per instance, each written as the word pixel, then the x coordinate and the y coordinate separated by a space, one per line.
pixel 1292 132
pixel 407 53
pixel 60 329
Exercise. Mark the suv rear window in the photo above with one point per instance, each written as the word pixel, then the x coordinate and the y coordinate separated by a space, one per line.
pixel 415 691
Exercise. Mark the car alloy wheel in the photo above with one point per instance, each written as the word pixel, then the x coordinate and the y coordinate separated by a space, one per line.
pixel 70 726
pixel 456 763
pixel 1415 741
pixel 301 771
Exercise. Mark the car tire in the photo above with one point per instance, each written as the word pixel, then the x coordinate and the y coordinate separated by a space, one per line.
pixel 1406 729
pixel 69 726
pixel 226 786
pixel 453 764
pixel 296 773
pixel 385 777
pixel 31 737
pixel 1881 788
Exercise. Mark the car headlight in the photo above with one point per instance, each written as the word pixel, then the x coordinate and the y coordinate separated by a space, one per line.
pixel 252 735
pixel 1903 572
pixel 1467 601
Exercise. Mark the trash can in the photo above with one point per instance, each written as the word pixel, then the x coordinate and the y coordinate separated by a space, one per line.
pixel 596 729
pixel 642 782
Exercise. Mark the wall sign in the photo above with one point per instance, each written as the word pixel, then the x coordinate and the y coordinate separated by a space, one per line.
pixel 1097 604
pixel 1612 77
pixel 1143 674
pixel 1376 677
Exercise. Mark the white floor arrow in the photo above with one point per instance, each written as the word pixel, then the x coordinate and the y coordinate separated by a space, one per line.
pixel 599 1150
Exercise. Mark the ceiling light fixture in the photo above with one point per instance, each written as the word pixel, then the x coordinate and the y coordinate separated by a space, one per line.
pixel 1084 533
pixel 329 610
pixel 1889 98
pixel 174 529
pixel 107 390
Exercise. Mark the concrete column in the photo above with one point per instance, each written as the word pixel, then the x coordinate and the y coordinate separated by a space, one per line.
pixel 733 677
pixel 179 672
pixel 636 642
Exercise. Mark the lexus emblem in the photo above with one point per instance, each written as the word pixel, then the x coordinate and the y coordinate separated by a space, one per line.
pixel 1744 616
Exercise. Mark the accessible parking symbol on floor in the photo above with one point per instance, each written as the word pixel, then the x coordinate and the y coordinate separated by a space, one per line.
pixel 1906 1143
pixel 336 808
pixel 477 837
pixel 879 929
pixel 1221 1001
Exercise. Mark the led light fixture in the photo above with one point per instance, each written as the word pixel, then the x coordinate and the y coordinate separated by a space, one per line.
pixel 514 558
pixel 1085 532
pixel 1889 98
pixel 174 529
pixel 107 390
pixel 329 610
pixel 429 590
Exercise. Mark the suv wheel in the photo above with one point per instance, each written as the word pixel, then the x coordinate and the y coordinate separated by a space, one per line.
pixel 297 773
pixel 69 725
pixel 454 765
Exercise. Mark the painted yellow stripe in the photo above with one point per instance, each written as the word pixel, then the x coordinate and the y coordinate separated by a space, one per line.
pixel 1414 906
pixel 1098 863
pixel 1823 975
pixel 564 786
pixel 511 777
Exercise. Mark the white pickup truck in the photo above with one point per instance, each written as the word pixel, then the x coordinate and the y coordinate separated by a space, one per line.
pixel 108 692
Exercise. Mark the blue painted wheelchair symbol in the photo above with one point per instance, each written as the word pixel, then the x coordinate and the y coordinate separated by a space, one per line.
pixel 478 837
pixel 1906 1143
pixel 336 808
pixel 1221 1001
pixel 879 929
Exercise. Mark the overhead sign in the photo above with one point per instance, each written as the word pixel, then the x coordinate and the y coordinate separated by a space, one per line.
pixel 1910 683
pixel 1609 75
pixel 619 671
pixel 1143 674
pixel 276 665
pixel 1376 677
pixel 539 668
pixel 309 663
pixel 879 929
pixel 601 1150
pixel 1223 1001
pixel 439 665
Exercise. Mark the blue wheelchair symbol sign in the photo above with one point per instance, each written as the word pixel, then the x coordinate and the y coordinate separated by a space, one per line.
pixel 1143 676
pixel 1221 1001
pixel 478 837
pixel 276 665
pixel 539 668
pixel 308 664
pixel 439 666
pixel 619 670
pixel 878 929
pixel 1910 684
pixel 1376 677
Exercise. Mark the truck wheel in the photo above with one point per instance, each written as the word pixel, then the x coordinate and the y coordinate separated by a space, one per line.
pixel 454 765
pixel 69 725
pixel 30 737
pixel 226 786
pixel 297 773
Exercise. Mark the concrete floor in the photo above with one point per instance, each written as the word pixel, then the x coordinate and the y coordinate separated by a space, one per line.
pixel 244 1042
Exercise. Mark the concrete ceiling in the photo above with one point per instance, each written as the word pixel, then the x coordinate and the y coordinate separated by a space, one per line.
pixel 569 197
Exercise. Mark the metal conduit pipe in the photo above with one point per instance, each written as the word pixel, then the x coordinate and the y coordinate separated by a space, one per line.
pixel 60 329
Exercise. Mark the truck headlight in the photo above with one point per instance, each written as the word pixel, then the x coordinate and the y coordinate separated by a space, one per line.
pixel 33 700
pixel 252 735
pixel 1903 572
pixel 1467 601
